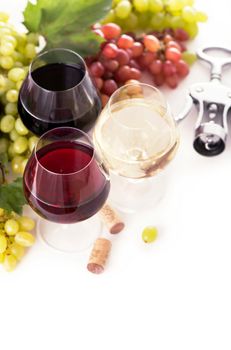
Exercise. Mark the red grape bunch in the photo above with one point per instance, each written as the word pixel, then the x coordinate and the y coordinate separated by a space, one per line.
pixel 123 57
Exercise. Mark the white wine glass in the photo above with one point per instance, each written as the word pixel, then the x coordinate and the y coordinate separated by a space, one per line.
pixel 136 136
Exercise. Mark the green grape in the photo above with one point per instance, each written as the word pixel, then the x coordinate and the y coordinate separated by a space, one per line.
pixel 21 145
pixel 149 234
pixel 13 135
pixel 17 251
pixel 9 262
pixel 4 144
pixel 17 56
pixel 201 16
pixel 24 239
pixel 30 51
pixel 191 29
pixel 11 152
pixel 12 95
pixel 2 81
pixel 6 62
pixel 32 142
pixel 6 49
pixel 11 108
pixel 23 165
pixel 174 5
pixel 11 227
pixel 177 22
pixel 110 17
pixel 7 123
pixel 123 9
pixel 20 127
pixel 26 223
pixel 18 64
pixel 189 14
pixel 156 5
pixel 33 38
pixel 19 84
pixel 141 5
pixel 2 257
pixel 157 21
pixel 16 164
pixel 9 39
pixel 16 74
pixel 132 21
pixel 3 243
pixel 144 20
pixel 189 57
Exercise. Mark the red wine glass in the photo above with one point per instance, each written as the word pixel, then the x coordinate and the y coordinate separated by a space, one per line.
pixel 58 91
pixel 65 183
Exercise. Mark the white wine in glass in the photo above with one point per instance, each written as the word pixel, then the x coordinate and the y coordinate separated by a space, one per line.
pixel 136 137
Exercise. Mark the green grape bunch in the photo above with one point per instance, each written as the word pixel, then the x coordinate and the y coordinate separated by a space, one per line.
pixel 139 15
pixel 14 238
pixel 16 52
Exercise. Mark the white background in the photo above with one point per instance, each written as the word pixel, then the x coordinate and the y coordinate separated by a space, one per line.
pixel 173 294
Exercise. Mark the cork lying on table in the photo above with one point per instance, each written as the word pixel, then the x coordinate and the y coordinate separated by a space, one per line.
pixel 99 255
pixel 111 219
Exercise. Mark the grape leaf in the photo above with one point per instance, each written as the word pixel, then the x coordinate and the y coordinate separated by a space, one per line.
pixel 67 23
pixel 12 197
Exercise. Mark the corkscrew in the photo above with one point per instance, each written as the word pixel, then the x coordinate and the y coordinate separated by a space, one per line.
pixel 213 101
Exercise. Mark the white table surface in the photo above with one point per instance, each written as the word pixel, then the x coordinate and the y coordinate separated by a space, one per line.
pixel 173 294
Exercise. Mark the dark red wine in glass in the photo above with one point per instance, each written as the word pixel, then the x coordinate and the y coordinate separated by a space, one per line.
pixel 58 91
pixel 64 181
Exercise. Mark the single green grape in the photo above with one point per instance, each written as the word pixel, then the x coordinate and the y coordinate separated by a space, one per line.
pixel 17 250
pixel 3 243
pixel 123 9
pixel 189 14
pixel 7 123
pixel 20 127
pixel 24 239
pixel 174 5
pixel 4 144
pixel 12 95
pixel 11 152
pixel 32 142
pixel 189 57
pixel 132 21
pixel 16 74
pixel 11 227
pixel 9 39
pixel 9 262
pixel 6 48
pixel 6 62
pixel 21 145
pixel 23 165
pixel 11 108
pixel 141 5
pixel 149 234
pixel 26 223
pixel 30 51
pixel 13 135
pixel 156 6
pixel 16 163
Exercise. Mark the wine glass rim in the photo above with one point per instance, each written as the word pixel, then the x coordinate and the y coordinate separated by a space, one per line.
pixel 72 129
pixel 53 50
pixel 153 88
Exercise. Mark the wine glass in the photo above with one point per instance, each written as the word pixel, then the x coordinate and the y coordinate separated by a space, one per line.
pixel 58 91
pixel 65 183
pixel 136 136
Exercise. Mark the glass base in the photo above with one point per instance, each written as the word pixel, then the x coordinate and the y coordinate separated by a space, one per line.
pixel 69 238
pixel 129 196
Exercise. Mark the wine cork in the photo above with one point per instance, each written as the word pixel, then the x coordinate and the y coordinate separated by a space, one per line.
pixel 99 255
pixel 111 219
